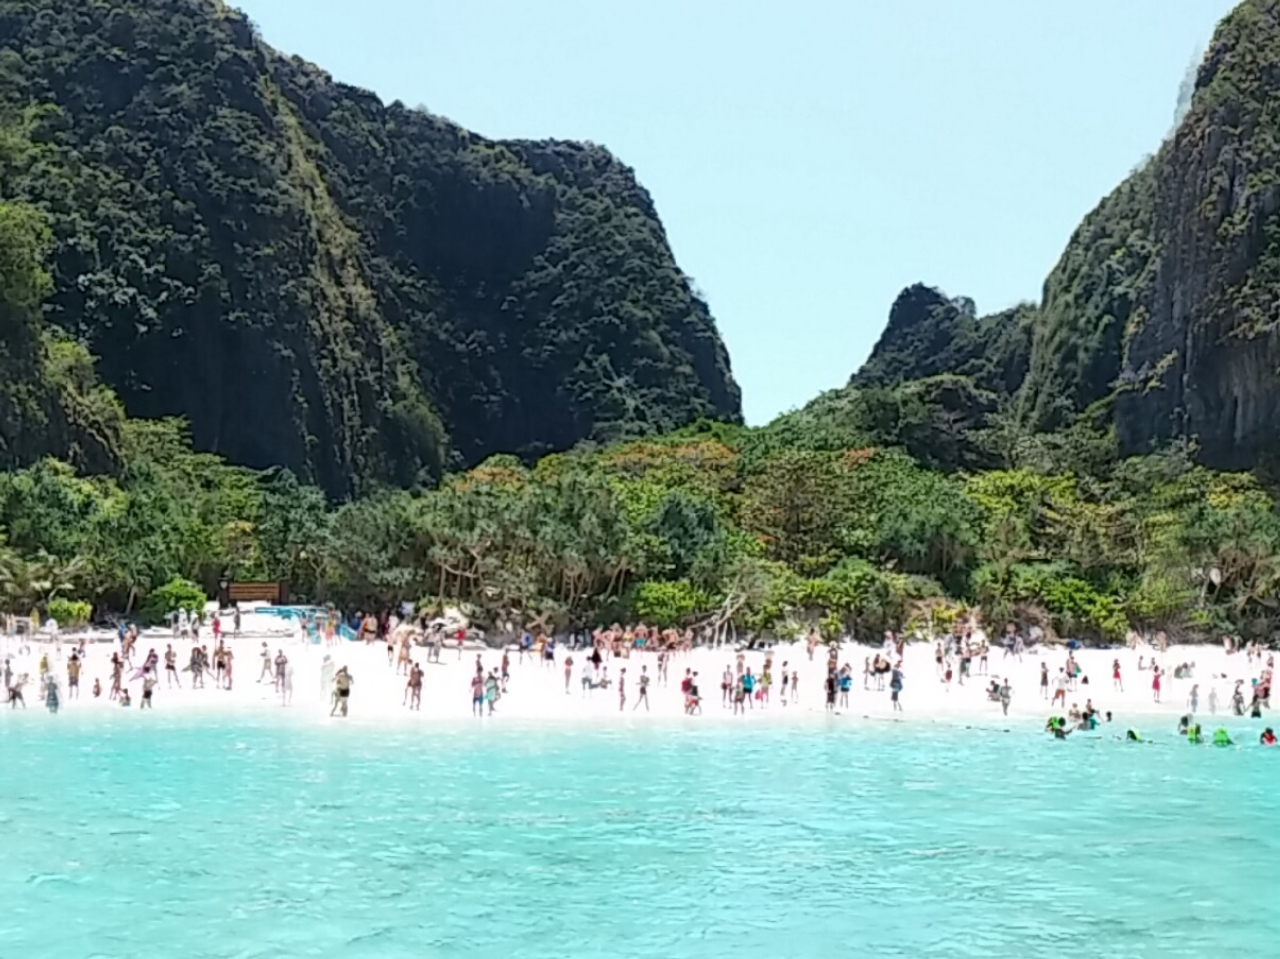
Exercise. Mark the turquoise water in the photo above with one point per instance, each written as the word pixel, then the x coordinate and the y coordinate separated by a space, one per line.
pixel 148 836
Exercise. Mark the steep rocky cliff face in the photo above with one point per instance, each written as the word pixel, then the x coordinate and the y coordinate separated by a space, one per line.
pixel 1202 350
pixel 359 291
pixel 930 333
pixel 1167 297
pixel 1167 294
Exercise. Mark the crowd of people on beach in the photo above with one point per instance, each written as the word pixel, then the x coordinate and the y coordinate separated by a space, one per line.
pixel 634 663
pixel 1070 678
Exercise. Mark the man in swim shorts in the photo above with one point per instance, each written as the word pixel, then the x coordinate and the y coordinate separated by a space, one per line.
pixel 73 677
pixel 342 681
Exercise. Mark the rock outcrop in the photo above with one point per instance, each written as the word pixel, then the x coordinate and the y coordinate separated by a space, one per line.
pixel 359 291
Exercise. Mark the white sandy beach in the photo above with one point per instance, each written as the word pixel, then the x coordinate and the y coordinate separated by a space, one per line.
pixel 537 691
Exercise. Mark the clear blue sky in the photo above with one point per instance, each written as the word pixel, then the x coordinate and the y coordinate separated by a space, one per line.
pixel 808 158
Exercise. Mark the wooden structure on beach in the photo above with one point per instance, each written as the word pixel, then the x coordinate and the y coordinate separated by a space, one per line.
pixel 277 594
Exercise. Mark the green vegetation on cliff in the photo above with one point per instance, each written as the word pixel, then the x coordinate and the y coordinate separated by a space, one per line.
pixel 50 401
pixel 335 292
pixel 1162 309
pixel 360 292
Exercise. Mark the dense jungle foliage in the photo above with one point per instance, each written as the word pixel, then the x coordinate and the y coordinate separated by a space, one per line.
pixel 331 325
pixel 234 232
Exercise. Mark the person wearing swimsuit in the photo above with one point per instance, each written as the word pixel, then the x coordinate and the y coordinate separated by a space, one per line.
pixel 342 686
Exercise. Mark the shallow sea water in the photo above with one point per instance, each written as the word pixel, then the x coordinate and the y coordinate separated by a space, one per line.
pixel 150 836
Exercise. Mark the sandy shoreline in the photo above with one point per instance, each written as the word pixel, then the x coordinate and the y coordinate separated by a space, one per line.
pixel 536 692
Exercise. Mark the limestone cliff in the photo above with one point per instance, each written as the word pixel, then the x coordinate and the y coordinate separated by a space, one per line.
pixel 315 279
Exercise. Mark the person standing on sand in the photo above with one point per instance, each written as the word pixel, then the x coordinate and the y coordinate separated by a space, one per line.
pixel 404 663
pixel 171 667
pixel 477 694
pixel 117 675
pixel 14 688
pixel 1155 683
pixel 286 687
pixel 148 687
pixel 8 678
pixel 749 687
pixel 895 687
pixel 568 673
pixel 491 692
pixel 830 686
pixel 413 691
pixel 196 667
pixel 1006 694
pixel 1193 700
pixel 622 689
pixel 643 696
pixel 1115 676
pixel 281 662
pixel 692 697
pixel 227 659
pixel 73 677
pixel 326 678
pixel 738 695
pixel 265 673
pixel 726 686
pixel 1060 688
pixel 795 686
pixel 342 681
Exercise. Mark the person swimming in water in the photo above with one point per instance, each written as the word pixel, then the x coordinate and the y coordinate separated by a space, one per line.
pixel 1268 738
pixel 1057 727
